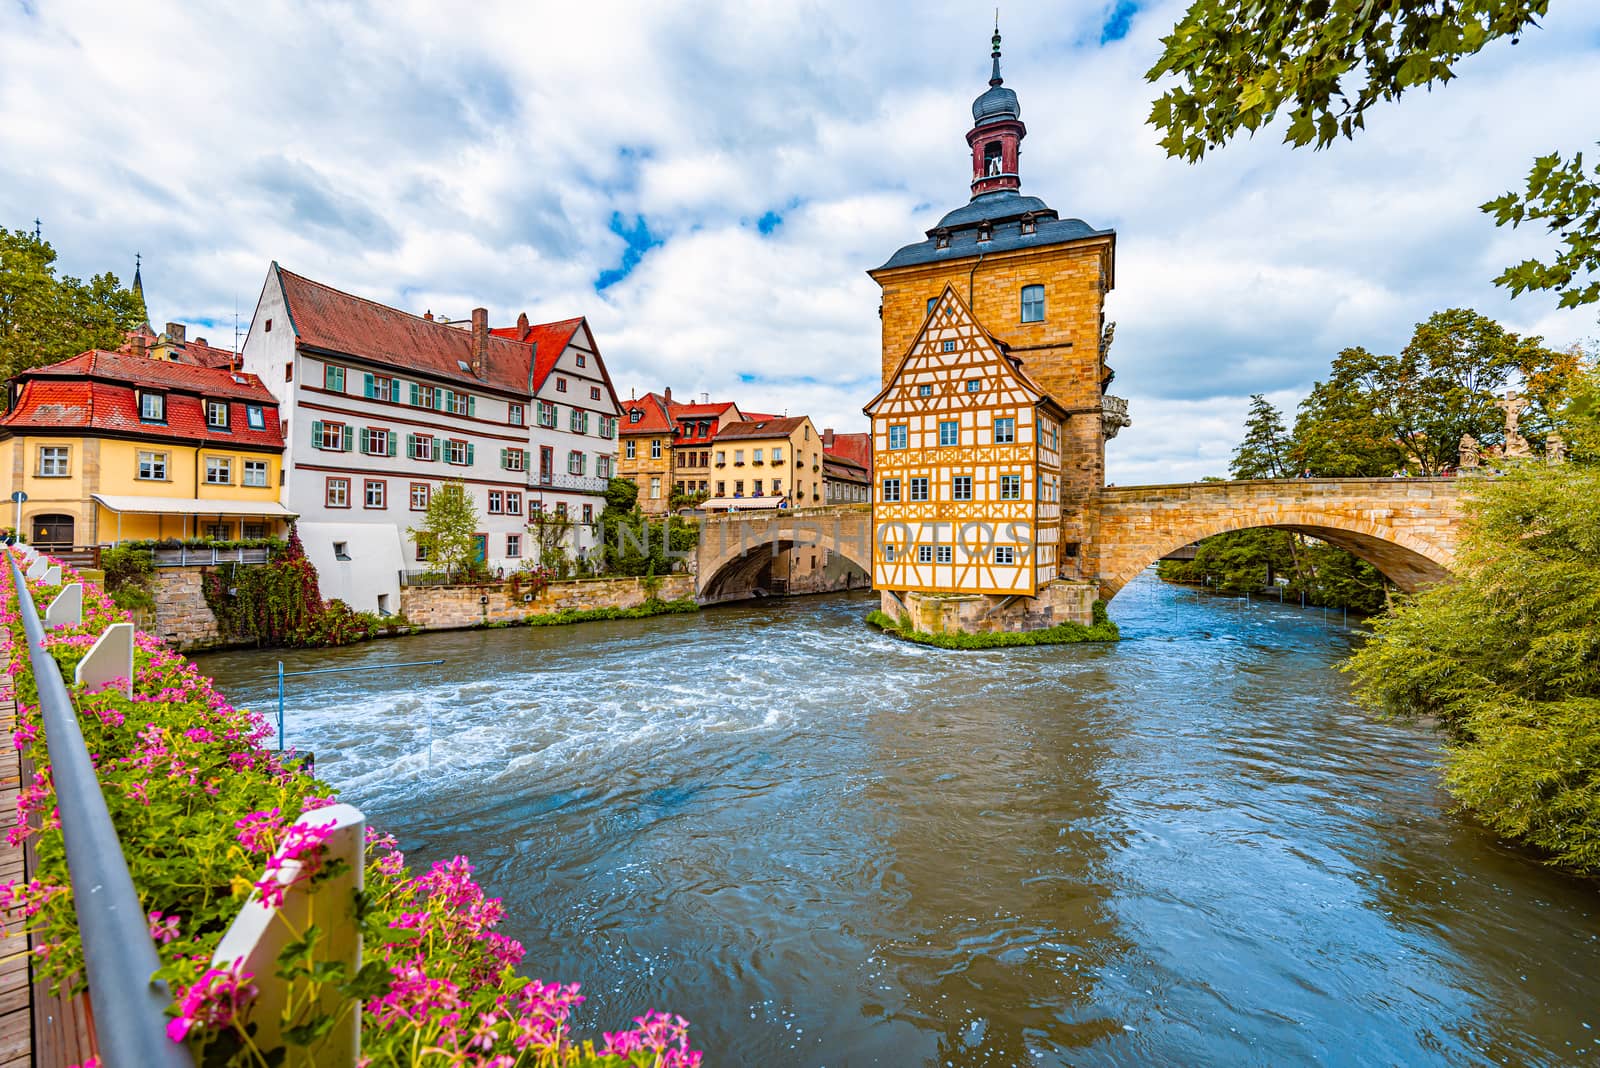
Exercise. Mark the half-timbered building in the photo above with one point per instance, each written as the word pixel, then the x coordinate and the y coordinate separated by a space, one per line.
pixel 966 451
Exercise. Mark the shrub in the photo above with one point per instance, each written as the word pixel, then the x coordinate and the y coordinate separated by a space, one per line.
pixel 203 807
pixel 1506 659
pixel 651 607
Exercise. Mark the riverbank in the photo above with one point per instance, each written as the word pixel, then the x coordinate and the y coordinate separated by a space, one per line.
pixel 1101 630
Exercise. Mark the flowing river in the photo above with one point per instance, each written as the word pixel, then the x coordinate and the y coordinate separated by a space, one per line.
pixel 829 848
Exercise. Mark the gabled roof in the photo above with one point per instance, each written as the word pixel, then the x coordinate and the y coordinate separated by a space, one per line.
pixel 547 340
pixel 959 316
pixel 333 321
pixel 762 428
pixel 199 355
pixel 98 391
pixel 698 411
pixel 653 417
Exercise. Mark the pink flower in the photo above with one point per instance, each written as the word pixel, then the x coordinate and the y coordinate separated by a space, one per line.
pixel 215 1000
pixel 163 929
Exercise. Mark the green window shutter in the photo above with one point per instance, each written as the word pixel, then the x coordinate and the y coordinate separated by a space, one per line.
pixel 472 405
pixel 394 390
pixel 505 461
pixel 411 446
pixel 366 440
pixel 369 386
pixel 394 442
pixel 316 434
pixel 471 450
pixel 349 437
pixel 414 400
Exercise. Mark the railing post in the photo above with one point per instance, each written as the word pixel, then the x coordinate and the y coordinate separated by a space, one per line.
pixel 261 932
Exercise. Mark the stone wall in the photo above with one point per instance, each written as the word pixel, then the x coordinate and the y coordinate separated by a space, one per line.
pixel 455 607
pixel 944 613
pixel 182 616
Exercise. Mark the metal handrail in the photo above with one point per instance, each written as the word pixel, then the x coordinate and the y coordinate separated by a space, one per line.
pixel 118 952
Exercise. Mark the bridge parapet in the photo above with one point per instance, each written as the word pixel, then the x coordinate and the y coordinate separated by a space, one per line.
pixel 1405 527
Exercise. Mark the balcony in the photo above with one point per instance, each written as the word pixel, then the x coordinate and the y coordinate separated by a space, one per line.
pixel 549 480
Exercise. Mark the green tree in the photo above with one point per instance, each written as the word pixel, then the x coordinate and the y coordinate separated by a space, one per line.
pixel 45 318
pixel 1415 406
pixel 448 529
pixel 1265 450
pixel 1240 62
pixel 1507 660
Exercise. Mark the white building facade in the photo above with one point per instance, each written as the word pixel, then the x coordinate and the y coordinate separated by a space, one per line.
pixel 380 408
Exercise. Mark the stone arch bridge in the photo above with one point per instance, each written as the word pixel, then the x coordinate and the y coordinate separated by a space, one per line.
pixel 1405 527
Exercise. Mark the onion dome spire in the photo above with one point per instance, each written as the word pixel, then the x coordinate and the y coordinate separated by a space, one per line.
pixel 994 76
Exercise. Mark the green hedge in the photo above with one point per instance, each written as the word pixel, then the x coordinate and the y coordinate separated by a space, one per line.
pixel 1101 630
pixel 652 607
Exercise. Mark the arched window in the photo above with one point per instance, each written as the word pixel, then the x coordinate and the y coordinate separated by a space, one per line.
pixel 1033 304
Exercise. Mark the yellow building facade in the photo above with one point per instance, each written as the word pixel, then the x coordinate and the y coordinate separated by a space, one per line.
pixel 110 447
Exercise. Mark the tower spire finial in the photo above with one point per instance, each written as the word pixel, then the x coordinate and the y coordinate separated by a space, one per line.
pixel 994 75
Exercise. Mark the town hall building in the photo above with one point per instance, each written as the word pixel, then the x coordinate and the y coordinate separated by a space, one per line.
pixel 989 435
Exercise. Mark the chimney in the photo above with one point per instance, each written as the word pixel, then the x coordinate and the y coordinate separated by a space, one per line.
pixel 480 340
pixel 827 438
pixel 201 342
pixel 705 398
pixel 667 393
pixel 176 332
pixel 141 345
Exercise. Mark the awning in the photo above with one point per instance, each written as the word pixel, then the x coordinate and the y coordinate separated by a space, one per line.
pixel 743 504
pixel 193 506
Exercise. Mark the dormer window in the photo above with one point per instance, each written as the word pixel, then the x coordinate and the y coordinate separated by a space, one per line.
pixel 152 407
pixel 634 415
pixel 1028 223
pixel 985 230
pixel 941 238
pixel 217 414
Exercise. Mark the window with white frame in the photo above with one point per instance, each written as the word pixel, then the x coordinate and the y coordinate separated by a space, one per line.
pixel 891 490
pixel 630 449
pixel 924 554
pixel 513 502
pixel 332 436
pixel 576 462
pixel 897 436
pixel 579 421
pixel 421 493
pixel 460 452
pixel 608 426
pixel 561 384
pixel 655 489
pixel 514 414
pixel 602 466
pixel 152 466
pixel 513 546
pixel 943 554
pixel 1005 431
pixel 777 454
pixel 54 461
pixel 961 488
pixel 594 392
pixel 547 415
pixel 950 433
pixel 1005 554
pixel 421 447
pixel 219 470
pixel 1011 487
pixel 152 407
pixel 497 502
pixel 338 495
pixel 655 448
pixel 217 414
pixel 514 459
pixel 255 473
pixel 377 493
pixel 377 441
pixel 919 489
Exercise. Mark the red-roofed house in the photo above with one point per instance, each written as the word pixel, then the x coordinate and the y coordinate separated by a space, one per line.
pixel 666 446
pixel 382 406
pixel 573 435
pixel 847 467
pixel 109 446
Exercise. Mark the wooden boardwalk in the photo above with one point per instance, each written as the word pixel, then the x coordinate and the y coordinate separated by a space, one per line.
pixel 16 1031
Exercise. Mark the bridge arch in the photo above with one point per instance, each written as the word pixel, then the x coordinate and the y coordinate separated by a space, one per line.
pixel 733 550
pixel 1404 528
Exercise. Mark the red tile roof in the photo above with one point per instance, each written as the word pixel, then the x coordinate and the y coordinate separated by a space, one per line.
pixel 334 321
pixel 98 391
pixel 857 448
pixel 761 428
pixel 193 352
pixel 547 340
pixel 653 417
pixel 758 417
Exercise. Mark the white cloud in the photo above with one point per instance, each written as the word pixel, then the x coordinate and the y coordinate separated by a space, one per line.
pixel 442 162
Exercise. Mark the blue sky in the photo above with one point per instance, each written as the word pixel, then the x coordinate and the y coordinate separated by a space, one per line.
pixel 709 182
